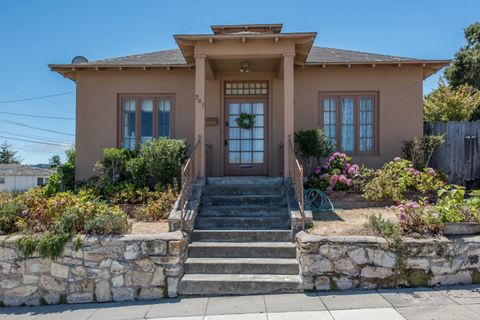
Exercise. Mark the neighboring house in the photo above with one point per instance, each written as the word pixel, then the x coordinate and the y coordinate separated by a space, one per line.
pixel 19 177
pixel 366 103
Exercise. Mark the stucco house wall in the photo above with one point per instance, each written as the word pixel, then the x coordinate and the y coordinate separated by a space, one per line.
pixel 97 107
pixel 400 107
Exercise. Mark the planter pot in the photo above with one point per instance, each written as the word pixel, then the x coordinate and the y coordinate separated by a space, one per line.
pixel 461 228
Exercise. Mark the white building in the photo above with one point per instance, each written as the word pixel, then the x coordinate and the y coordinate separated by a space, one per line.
pixel 18 177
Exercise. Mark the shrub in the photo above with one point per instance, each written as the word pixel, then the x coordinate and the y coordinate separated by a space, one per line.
pixel 420 150
pixel 417 218
pixel 64 178
pixel 452 206
pixel 110 221
pixel 41 211
pixel 449 104
pixel 336 174
pixel 136 167
pixel 397 178
pixel 112 168
pixel 9 216
pixel 163 159
pixel 312 144
pixel 383 227
pixel 157 207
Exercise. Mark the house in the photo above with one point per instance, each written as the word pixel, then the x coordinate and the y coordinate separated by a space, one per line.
pixel 366 103
pixel 19 177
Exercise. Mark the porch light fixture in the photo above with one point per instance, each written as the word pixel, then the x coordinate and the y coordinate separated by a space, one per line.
pixel 245 67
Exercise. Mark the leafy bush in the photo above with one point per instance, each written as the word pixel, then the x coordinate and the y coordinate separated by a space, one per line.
pixel 399 177
pixel 336 174
pixel 110 221
pixel 10 211
pixel 157 207
pixel 420 150
pixel 137 169
pixel 448 104
pixel 312 144
pixel 42 211
pixel 112 168
pixel 383 227
pixel 64 178
pixel 417 218
pixel 452 206
pixel 163 160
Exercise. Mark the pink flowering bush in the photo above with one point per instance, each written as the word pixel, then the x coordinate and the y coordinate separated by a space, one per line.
pixel 398 178
pixel 418 218
pixel 337 174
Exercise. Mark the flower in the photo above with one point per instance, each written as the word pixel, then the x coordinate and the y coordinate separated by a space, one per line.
pixel 397 159
pixel 403 217
pixel 317 170
pixel 342 179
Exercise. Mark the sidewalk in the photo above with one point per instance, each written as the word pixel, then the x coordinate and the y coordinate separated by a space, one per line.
pixel 445 303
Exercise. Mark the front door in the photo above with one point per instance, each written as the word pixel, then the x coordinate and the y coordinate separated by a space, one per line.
pixel 246 148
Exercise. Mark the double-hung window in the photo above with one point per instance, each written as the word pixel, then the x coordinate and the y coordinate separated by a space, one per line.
pixel 349 120
pixel 143 118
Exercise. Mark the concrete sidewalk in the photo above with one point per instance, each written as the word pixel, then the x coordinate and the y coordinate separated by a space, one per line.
pixel 446 303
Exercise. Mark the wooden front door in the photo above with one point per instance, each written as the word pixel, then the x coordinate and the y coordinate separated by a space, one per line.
pixel 246 149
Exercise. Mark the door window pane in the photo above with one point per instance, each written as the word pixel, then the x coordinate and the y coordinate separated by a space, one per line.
pixel 234 145
pixel 129 119
pixel 258 157
pixel 258 108
pixel 258 122
pixel 246 145
pixel 234 157
pixel 234 133
pixel 246 108
pixel 234 108
pixel 258 145
pixel 246 157
pixel 348 125
pixel 146 116
pixel 257 133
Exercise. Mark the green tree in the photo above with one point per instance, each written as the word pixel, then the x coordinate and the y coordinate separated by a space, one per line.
pixel 7 155
pixel 465 67
pixel 448 104
pixel 54 161
pixel 312 144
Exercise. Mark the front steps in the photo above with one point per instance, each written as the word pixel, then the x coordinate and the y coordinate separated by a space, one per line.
pixel 242 241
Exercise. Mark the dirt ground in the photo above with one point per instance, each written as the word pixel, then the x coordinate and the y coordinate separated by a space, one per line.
pixel 149 227
pixel 347 221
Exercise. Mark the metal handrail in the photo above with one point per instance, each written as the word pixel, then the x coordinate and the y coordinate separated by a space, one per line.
pixel 296 173
pixel 190 172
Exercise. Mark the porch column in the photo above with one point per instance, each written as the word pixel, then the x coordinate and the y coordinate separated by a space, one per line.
pixel 288 105
pixel 200 108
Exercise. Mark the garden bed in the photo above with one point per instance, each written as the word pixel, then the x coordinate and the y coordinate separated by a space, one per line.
pixel 343 222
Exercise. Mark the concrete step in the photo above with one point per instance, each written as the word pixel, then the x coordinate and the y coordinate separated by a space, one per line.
pixel 233 284
pixel 245 181
pixel 238 211
pixel 200 249
pixel 241 266
pixel 243 190
pixel 243 200
pixel 243 235
pixel 242 223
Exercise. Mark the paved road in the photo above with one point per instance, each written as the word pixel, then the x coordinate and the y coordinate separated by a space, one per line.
pixel 446 303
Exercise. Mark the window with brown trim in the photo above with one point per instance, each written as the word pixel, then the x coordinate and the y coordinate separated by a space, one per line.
pixel 143 118
pixel 349 120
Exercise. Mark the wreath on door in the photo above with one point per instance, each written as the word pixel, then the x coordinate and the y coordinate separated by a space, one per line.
pixel 245 120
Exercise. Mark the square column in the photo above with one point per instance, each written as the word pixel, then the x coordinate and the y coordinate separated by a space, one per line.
pixel 200 109
pixel 289 108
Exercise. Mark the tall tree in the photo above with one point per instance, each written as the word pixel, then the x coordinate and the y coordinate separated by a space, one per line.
pixel 465 67
pixel 7 155
pixel 55 161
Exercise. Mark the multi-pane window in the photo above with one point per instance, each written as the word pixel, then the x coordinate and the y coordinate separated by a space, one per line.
pixel 144 118
pixel 246 88
pixel 2 180
pixel 348 120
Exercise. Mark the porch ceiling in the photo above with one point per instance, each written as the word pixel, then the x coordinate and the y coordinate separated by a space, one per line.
pixel 254 65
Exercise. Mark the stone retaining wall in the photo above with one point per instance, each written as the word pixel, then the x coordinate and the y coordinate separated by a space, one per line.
pixel 345 262
pixel 130 267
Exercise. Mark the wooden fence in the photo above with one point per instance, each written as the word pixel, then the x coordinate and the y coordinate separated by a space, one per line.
pixel 459 156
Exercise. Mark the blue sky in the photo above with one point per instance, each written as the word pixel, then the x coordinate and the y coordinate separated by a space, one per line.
pixel 36 33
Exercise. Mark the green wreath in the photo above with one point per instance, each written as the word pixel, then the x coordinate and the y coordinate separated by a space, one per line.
pixel 245 120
